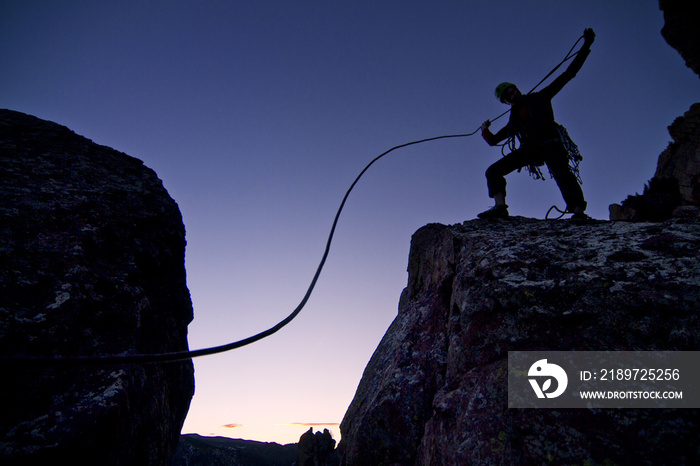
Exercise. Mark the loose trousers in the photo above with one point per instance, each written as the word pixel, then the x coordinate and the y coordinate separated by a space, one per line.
pixel 554 155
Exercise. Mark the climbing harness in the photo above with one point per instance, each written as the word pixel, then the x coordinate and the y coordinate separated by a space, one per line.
pixel 573 155
pixel 151 358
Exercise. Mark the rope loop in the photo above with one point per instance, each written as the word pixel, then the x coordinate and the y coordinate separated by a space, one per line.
pixel 562 212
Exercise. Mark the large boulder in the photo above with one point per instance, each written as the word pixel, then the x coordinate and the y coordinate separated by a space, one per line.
pixel 92 263
pixel 435 390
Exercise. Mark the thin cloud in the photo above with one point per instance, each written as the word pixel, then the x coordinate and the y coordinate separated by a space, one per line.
pixel 232 426
pixel 311 424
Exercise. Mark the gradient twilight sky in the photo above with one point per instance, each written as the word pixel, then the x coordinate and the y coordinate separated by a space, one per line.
pixel 257 115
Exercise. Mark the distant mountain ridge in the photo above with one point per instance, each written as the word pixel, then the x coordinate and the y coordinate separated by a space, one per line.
pixel 196 450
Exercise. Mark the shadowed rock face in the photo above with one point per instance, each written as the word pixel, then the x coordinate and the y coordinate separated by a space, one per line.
pixel 674 191
pixel 435 390
pixel 92 259
pixel 681 159
pixel 681 18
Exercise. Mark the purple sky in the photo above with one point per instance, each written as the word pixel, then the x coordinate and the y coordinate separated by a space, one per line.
pixel 257 115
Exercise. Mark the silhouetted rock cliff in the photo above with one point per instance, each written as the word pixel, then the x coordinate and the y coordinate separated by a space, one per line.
pixel 316 449
pixel 681 159
pixel 681 19
pixel 674 189
pixel 92 259
pixel 435 390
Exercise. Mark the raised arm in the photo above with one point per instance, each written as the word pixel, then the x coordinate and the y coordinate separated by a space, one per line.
pixel 574 66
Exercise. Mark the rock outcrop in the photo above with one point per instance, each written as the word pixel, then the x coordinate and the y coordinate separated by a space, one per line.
pixel 681 159
pixel 681 19
pixel 316 449
pixel 674 189
pixel 435 390
pixel 92 259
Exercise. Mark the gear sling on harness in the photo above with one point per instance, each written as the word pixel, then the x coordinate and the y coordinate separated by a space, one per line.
pixel 573 155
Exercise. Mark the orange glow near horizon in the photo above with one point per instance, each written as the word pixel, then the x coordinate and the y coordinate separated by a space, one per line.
pixel 311 424
pixel 232 426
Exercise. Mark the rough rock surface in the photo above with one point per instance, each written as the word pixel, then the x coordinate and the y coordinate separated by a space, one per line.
pixel 92 262
pixel 435 390
pixel 681 159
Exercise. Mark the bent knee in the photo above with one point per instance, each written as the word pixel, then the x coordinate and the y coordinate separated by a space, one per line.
pixel 493 172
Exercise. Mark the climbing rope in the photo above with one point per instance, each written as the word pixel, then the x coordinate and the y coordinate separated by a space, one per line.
pixel 188 354
pixel 562 212
pixel 182 355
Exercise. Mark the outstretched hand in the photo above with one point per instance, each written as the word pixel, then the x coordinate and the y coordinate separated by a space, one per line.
pixel 588 36
pixel 485 125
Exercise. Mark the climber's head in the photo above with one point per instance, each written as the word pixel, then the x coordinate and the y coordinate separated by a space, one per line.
pixel 506 92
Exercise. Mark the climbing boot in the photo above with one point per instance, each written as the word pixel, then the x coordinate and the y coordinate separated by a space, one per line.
pixel 497 211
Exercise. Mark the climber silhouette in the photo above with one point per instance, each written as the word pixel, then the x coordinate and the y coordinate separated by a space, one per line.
pixel 542 140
